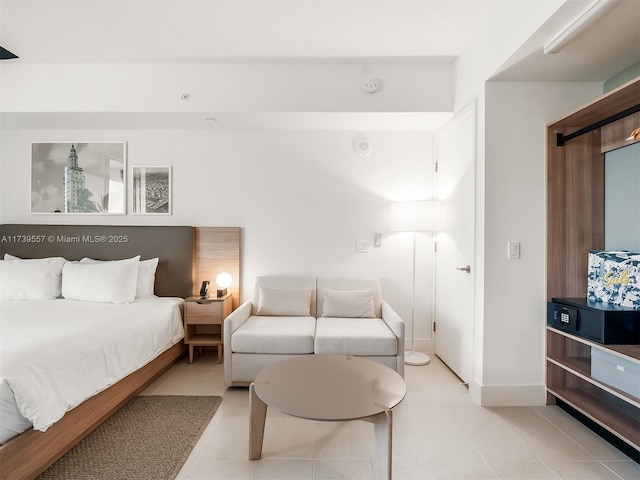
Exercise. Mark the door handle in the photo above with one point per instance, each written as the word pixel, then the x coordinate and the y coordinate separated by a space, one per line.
pixel 466 268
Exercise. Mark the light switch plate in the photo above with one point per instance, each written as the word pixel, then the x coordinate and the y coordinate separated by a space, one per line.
pixel 514 251
pixel 362 246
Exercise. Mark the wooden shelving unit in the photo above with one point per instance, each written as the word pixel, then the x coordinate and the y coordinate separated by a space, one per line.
pixel 575 225
pixel 569 379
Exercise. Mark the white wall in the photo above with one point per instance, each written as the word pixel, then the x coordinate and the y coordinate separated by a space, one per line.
pixel 515 196
pixel 301 198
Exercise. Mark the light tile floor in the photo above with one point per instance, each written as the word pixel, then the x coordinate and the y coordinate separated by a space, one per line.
pixel 439 433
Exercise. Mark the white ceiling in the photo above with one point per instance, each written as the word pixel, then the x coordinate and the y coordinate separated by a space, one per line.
pixel 165 31
pixel 238 30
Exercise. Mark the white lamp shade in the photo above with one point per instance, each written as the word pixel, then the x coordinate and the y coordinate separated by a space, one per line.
pixel 419 216
pixel 223 280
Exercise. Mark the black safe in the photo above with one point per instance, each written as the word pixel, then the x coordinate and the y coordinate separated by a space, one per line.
pixel 601 323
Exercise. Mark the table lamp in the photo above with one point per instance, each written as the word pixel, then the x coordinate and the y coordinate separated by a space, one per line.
pixel 223 281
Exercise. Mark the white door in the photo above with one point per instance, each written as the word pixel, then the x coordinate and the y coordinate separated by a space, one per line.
pixel 455 154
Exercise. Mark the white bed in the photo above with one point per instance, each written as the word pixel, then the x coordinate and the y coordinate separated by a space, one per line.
pixel 54 354
pixel 181 257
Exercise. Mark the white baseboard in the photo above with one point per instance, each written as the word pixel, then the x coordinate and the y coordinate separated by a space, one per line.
pixel 508 395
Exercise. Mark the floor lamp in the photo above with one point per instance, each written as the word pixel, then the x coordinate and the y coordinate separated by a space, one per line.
pixel 414 217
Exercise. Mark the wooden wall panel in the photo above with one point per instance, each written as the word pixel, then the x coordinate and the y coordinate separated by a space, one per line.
pixel 217 250
pixel 556 231
pixel 615 134
pixel 575 212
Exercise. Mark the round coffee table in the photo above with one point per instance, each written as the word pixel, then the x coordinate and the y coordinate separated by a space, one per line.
pixel 329 388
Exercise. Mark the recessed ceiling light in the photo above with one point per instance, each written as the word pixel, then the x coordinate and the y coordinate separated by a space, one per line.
pixel 211 119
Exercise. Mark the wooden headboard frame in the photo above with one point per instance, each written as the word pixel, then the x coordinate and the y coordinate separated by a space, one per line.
pixel 187 254
pixel 217 249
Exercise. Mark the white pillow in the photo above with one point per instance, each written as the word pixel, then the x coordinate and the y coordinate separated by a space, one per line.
pixel 107 282
pixel 284 302
pixel 145 288
pixel 33 279
pixel 347 303
pixel 146 276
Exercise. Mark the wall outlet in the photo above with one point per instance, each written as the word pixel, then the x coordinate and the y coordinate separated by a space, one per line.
pixel 362 246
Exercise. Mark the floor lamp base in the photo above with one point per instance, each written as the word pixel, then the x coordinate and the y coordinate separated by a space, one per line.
pixel 416 358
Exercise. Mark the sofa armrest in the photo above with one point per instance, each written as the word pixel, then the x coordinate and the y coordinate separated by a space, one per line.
pixel 393 320
pixel 230 325
pixel 235 319
pixel 396 324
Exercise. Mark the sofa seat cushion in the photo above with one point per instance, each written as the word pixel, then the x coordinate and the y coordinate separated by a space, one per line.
pixel 283 335
pixel 354 336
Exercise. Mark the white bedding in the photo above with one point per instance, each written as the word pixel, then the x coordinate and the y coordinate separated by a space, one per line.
pixel 54 354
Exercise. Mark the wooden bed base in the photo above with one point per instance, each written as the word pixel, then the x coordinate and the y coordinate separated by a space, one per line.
pixel 32 452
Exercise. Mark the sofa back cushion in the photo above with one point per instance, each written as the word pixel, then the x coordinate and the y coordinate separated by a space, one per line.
pixel 353 288
pixel 284 302
pixel 284 296
pixel 347 303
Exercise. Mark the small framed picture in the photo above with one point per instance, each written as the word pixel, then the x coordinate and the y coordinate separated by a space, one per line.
pixel 152 190
pixel 78 177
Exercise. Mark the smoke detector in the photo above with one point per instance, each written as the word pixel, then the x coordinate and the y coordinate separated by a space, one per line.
pixel 371 84
pixel 363 147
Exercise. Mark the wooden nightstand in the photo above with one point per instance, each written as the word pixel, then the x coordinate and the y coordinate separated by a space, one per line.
pixel 203 322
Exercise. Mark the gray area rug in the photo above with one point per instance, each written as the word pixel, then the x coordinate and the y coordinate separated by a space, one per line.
pixel 150 437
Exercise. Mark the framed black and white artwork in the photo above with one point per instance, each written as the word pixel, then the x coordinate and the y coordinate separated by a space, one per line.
pixel 78 178
pixel 152 190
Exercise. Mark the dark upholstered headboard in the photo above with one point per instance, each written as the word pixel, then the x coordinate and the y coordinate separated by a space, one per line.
pixel 173 245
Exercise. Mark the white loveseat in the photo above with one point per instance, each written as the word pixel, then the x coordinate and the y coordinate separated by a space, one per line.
pixel 290 316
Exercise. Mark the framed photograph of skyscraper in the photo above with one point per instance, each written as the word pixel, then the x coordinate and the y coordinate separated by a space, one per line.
pixel 78 178
pixel 152 190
